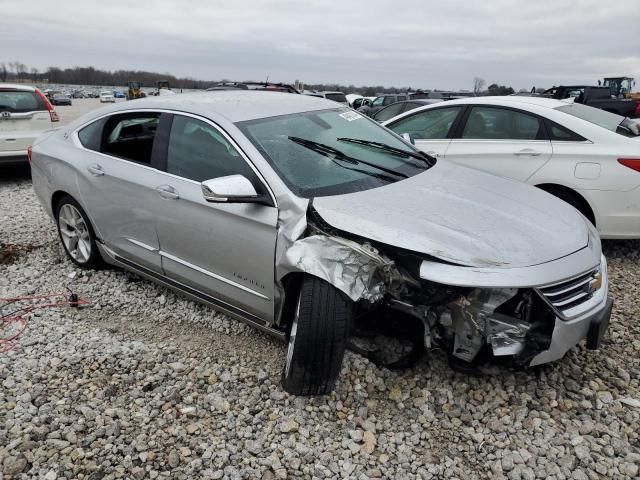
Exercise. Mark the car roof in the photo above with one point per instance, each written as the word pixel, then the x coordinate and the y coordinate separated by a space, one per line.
pixel 332 91
pixel 509 100
pixel 234 105
pixel 15 86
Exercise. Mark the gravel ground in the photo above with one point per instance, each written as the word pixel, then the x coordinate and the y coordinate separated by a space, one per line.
pixel 144 384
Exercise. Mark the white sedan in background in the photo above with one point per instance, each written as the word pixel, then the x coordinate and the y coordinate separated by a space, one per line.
pixel 107 97
pixel 588 157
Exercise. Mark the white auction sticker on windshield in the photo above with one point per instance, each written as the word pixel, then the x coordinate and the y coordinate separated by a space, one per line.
pixel 350 116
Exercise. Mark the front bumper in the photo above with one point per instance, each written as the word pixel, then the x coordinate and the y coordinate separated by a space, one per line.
pixel 568 333
pixel 591 325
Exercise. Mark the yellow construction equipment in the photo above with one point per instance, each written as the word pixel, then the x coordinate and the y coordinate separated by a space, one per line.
pixel 621 87
pixel 134 90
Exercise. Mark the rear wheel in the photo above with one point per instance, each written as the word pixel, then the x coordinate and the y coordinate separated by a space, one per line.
pixel 317 339
pixel 76 233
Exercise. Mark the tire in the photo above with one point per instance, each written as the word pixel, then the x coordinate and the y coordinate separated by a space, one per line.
pixel 318 338
pixel 575 200
pixel 76 234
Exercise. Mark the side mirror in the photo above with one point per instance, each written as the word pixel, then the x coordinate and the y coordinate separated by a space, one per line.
pixel 409 138
pixel 230 189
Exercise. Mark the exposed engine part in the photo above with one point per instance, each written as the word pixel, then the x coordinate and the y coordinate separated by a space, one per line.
pixel 474 321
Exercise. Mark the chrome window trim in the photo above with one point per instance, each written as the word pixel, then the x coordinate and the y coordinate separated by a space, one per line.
pixel 76 141
pixel 212 275
pixel 494 140
pixel 586 141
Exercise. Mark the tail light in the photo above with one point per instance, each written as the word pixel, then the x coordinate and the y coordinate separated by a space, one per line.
pixel 638 108
pixel 47 103
pixel 29 153
pixel 632 163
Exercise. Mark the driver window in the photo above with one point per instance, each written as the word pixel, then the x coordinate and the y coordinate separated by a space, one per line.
pixel 198 152
pixel 428 124
pixel 378 102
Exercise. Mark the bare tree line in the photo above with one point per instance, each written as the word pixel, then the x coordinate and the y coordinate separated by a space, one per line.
pixel 21 72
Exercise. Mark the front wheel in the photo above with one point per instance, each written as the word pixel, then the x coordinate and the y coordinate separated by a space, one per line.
pixel 317 339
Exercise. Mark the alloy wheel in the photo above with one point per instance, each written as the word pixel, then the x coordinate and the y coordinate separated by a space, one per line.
pixel 75 233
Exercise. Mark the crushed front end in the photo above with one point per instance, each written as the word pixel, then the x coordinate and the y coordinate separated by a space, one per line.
pixel 525 314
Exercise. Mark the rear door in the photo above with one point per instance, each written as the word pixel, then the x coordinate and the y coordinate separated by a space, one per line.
pixel 505 141
pixel 118 180
pixel 23 116
pixel 226 251
pixel 431 129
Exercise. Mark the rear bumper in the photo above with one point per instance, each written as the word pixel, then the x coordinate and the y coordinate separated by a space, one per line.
pixel 617 213
pixel 13 158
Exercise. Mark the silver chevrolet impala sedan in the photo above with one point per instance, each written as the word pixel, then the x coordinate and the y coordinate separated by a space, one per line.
pixel 302 217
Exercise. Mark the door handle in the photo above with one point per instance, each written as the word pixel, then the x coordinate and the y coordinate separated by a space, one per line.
pixel 432 153
pixel 528 151
pixel 167 191
pixel 95 170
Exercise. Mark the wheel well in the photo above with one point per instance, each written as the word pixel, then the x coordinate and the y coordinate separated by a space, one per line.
pixel 570 196
pixel 55 199
pixel 292 283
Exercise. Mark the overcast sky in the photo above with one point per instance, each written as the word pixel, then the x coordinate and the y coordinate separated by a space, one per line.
pixel 421 44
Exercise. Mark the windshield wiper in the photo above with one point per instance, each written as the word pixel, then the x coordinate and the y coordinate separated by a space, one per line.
pixel 428 159
pixel 329 151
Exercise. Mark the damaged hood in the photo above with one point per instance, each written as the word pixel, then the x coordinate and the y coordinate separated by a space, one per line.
pixel 463 216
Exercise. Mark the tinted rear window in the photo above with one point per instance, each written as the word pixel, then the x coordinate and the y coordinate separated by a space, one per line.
pixel 15 101
pixel 607 120
pixel 337 97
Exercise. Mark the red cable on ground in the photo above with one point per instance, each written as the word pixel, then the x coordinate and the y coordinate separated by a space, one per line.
pixel 18 319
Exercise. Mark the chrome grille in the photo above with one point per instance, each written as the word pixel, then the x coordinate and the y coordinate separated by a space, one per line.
pixel 567 297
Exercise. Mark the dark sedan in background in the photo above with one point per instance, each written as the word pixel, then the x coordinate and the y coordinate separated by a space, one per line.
pixel 60 99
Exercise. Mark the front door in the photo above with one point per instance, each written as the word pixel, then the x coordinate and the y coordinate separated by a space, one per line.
pixel 430 129
pixel 224 250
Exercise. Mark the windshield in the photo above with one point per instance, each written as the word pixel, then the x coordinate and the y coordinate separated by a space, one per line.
pixel 309 172
pixel 607 120
pixel 336 97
